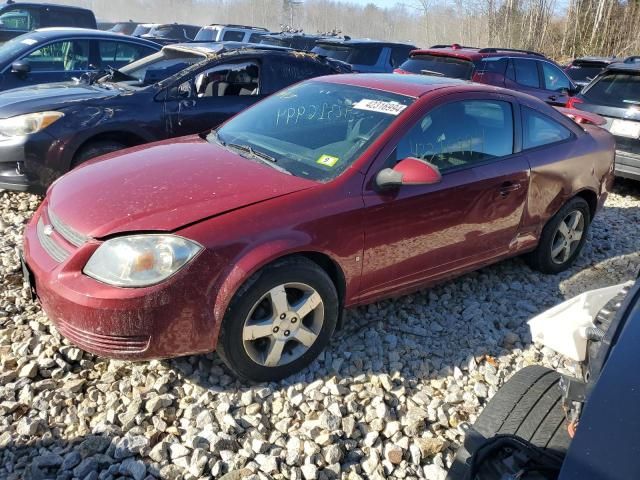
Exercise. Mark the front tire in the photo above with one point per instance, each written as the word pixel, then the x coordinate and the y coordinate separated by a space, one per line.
pixel 96 149
pixel 562 238
pixel 279 321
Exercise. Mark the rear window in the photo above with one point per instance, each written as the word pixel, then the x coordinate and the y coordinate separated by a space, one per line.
pixel 275 41
pixel 584 72
pixel 439 65
pixel 355 55
pixel 615 89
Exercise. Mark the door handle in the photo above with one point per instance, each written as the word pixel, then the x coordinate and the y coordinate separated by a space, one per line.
pixel 553 98
pixel 507 187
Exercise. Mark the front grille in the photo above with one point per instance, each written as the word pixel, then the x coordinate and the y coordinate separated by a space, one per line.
pixel 55 251
pixel 97 343
pixel 68 233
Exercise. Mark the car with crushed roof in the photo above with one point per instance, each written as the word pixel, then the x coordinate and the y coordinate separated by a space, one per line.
pixel 336 192
pixel 48 129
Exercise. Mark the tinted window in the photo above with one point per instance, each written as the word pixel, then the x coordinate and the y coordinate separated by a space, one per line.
pixel 541 130
pixel 233 36
pixel 225 81
pixel 160 65
pixel 461 133
pixel 72 55
pixel 355 55
pixel 20 19
pixel 615 89
pixel 119 54
pixel 492 65
pixel 399 55
pixel 62 18
pixel 286 70
pixel 256 37
pixel 554 79
pixel 526 72
pixel 315 130
pixel 443 66
pixel 584 72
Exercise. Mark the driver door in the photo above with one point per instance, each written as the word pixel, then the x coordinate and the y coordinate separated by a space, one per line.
pixel 419 233
pixel 203 100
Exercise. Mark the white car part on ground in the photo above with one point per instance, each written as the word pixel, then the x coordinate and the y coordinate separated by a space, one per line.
pixel 563 328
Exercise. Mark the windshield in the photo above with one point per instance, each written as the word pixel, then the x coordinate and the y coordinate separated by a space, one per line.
pixel 444 66
pixel 615 89
pixel 278 42
pixel 207 35
pixel 584 72
pixel 141 30
pixel 314 130
pixel 355 55
pixel 159 66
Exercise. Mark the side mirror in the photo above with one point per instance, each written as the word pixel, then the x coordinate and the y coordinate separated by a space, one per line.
pixel 408 171
pixel 21 67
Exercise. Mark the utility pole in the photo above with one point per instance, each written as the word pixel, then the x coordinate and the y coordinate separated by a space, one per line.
pixel 290 6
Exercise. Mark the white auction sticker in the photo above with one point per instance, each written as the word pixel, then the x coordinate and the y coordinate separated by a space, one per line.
pixel 391 108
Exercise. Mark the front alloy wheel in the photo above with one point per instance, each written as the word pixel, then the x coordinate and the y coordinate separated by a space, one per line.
pixel 283 324
pixel 279 321
pixel 567 237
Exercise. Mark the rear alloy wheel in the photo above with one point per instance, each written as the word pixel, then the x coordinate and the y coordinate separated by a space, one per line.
pixel 279 321
pixel 562 238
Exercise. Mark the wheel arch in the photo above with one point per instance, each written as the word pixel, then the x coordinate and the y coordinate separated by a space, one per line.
pixel 252 262
pixel 126 137
pixel 591 198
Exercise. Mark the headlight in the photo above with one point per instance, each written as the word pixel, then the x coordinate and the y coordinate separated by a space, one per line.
pixel 140 260
pixel 25 124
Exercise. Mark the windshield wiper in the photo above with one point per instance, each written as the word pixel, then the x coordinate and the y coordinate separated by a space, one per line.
pixel 265 157
pixel 432 72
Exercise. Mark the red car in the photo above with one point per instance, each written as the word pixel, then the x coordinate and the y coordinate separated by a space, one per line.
pixel 335 192
pixel 521 70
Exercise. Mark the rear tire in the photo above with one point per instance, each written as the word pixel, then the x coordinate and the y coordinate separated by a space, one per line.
pixel 279 321
pixel 551 256
pixel 95 149
pixel 529 406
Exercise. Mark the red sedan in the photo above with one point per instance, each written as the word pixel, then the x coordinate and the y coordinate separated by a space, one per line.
pixel 336 192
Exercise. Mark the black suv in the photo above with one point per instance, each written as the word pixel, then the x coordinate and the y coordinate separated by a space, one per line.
pixel 365 55
pixel 296 40
pixel 184 89
pixel 23 17
pixel 615 95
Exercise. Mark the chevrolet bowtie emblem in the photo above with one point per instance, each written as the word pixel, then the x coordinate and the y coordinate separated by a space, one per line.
pixel 48 230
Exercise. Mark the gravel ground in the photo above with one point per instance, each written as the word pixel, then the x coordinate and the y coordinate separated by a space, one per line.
pixel 387 400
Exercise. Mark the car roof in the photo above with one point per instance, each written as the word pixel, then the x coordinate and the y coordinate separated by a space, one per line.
pixel 409 85
pixel 232 25
pixel 215 48
pixel 52 33
pixel 44 5
pixel 362 41
pixel 623 67
pixel 474 53
pixel 594 59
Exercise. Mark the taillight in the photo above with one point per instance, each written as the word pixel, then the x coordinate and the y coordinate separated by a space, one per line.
pixel 573 102
pixel 401 71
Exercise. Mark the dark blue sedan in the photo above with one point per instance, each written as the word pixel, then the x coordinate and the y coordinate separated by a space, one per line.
pixel 60 54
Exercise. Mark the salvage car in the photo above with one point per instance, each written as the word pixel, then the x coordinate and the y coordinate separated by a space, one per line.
pixel 522 70
pixel 169 33
pixel 335 192
pixel 542 425
pixel 17 18
pixel 60 54
pixel 297 40
pixel 615 95
pixel 364 54
pixel 230 33
pixel 584 69
pixel 185 89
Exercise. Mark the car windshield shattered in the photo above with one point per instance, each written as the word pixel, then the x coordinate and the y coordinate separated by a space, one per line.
pixel 154 68
pixel 314 130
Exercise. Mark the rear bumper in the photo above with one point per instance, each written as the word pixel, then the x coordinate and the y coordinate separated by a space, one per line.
pixel 627 165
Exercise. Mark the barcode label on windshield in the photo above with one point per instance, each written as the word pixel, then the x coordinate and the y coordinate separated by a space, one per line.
pixel 390 108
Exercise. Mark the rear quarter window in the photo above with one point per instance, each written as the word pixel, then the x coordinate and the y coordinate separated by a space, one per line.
pixel 540 130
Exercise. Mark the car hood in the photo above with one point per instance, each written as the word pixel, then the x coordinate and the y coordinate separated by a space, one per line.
pixel 49 96
pixel 162 187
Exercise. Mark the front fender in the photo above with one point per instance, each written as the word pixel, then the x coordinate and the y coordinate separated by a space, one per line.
pixel 251 261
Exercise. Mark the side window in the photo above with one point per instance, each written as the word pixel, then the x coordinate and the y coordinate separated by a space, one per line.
pixel 365 55
pixel 119 54
pixel 61 18
pixel 495 65
pixel 461 133
pixel 541 130
pixel 23 19
pixel 286 70
pixel 526 72
pixel 68 56
pixel 399 55
pixel 256 37
pixel 228 80
pixel 554 79
pixel 233 36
